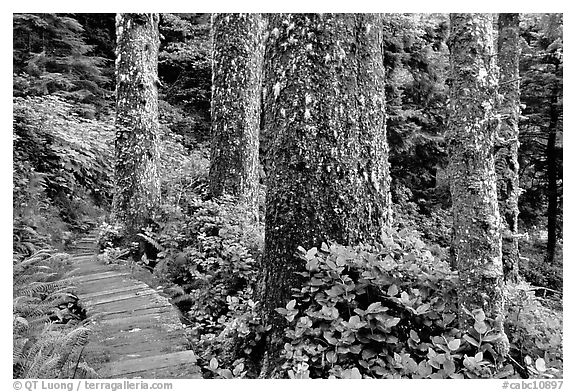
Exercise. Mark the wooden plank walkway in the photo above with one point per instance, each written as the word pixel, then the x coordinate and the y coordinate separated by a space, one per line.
pixel 137 332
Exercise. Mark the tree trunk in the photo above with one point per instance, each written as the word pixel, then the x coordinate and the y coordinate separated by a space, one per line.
pixel 328 174
pixel 237 60
pixel 470 138
pixel 137 184
pixel 506 156
pixel 552 172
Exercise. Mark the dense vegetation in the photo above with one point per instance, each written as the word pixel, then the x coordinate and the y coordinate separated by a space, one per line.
pixel 385 311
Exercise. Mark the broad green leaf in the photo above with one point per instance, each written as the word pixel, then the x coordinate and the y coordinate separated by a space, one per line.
pixel 479 315
pixel 454 344
pixel 355 349
pixel 492 337
pixel 353 373
pixel 214 363
pixel 312 265
pixel 392 322
pixel 311 253
pixel 424 369
pixel 540 365
pixel 447 318
pixel 422 308
pixel 238 369
pixel 405 298
pixel 355 322
pixel 331 356
pixel 392 290
pixel 330 338
pixel 291 305
pixel 376 307
pixel 480 327
pixel 334 291
pixel 368 353
pixel 449 367
pixel 471 340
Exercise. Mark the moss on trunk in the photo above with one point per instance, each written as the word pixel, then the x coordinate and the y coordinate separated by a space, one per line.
pixel 237 60
pixel 472 130
pixel 328 176
pixel 137 184
pixel 506 156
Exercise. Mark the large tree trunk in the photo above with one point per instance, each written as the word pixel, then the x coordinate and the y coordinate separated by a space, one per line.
pixel 472 130
pixel 237 60
pixel 137 184
pixel 506 156
pixel 552 172
pixel 328 161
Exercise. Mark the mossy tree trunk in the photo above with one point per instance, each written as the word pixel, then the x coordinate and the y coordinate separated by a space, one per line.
pixel 472 130
pixel 506 156
pixel 137 184
pixel 552 171
pixel 324 110
pixel 237 60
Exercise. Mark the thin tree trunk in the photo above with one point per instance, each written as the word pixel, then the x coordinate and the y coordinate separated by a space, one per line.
pixel 552 173
pixel 237 60
pixel 137 184
pixel 470 138
pixel 328 161
pixel 506 156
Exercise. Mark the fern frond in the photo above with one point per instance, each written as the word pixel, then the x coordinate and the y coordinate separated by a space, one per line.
pixel 51 367
pixel 74 339
pixel 85 371
pixel 182 298
pixel 19 349
pixel 39 276
pixel 78 337
pixel 19 325
pixel 34 364
pixel 43 288
pixel 152 241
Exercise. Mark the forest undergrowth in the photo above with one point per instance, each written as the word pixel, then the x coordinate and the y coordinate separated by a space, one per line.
pixel 380 311
pixel 385 311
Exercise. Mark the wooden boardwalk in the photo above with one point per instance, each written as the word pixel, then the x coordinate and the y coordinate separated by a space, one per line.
pixel 137 332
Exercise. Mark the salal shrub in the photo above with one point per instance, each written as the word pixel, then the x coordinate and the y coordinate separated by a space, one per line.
pixel 535 333
pixel 385 311
pixel 211 260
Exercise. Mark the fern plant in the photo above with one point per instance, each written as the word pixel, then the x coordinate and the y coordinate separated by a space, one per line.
pixel 48 339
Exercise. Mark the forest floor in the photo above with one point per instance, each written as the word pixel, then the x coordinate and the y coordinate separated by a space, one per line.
pixel 137 332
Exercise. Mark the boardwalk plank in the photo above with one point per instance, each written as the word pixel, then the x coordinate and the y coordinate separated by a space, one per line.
pixel 151 364
pixel 137 332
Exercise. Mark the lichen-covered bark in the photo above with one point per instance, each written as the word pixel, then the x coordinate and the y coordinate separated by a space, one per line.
pixel 137 184
pixel 506 156
pixel 552 171
pixel 324 112
pixel 237 59
pixel 472 129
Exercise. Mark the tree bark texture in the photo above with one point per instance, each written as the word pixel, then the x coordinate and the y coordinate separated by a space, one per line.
pixel 506 155
pixel 470 138
pixel 328 176
pixel 237 61
pixel 137 184
pixel 552 172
